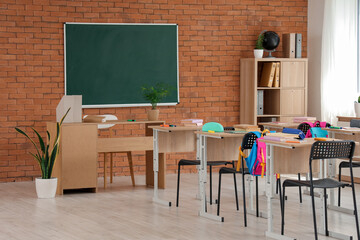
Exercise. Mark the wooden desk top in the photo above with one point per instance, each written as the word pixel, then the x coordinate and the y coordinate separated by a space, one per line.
pixel 221 134
pixel 129 122
pixel 116 122
pixel 304 143
pixel 280 124
pixel 347 130
pixel 345 119
pixel 177 128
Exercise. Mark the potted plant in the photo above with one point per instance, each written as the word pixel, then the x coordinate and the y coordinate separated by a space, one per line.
pixel 154 94
pixel 259 49
pixel 357 107
pixel 46 157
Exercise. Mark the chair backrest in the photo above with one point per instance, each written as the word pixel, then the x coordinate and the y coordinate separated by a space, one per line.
pixel 248 141
pixel 332 149
pixel 304 127
pixel 355 123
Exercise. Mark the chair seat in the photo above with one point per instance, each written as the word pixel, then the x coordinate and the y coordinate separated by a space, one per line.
pixel 184 162
pixel 321 183
pixel 225 170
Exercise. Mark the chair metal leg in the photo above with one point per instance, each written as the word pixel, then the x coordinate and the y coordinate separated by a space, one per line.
pixel 178 186
pixel 355 206
pixel 236 194
pixel 219 193
pixel 280 195
pixel 244 199
pixel 210 185
pixel 326 217
pixel 300 194
pixel 257 195
pixel 339 192
pixel 282 205
pixel 313 210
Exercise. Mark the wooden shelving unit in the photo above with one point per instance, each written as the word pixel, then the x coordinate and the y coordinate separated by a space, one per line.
pixel 279 103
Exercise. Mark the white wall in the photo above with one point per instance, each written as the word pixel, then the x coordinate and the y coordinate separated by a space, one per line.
pixel 315 22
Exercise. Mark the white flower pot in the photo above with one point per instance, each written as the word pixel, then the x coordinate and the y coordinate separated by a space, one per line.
pixel 153 115
pixel 46 188
pixel 357 108
pixel 258 53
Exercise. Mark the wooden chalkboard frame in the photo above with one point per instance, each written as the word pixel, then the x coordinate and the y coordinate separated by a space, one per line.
pixel 123 104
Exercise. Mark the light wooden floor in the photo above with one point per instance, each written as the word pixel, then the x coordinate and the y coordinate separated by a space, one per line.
pixel 124 212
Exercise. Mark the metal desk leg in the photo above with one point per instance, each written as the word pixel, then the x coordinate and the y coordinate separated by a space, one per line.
pixel 332 174
pixel 203 179
pixel 269 193
pixel 156 171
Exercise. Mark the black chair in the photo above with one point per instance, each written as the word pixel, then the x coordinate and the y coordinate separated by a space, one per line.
pixel 342 165
pixel 185 162
pixel 345 164
pixel 247 143
pixel 324 150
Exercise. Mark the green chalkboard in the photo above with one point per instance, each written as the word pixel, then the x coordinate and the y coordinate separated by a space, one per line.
pixel 109 63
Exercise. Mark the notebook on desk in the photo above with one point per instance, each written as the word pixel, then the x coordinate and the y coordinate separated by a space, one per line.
pixel 237 132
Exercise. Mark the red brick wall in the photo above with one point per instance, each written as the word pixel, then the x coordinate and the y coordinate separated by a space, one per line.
pixel 213 36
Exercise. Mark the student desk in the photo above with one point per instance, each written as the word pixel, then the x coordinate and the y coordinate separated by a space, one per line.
pixel 215 147
pixel 289 158
pixel 167 140
pixel 76 165
pixel 278 126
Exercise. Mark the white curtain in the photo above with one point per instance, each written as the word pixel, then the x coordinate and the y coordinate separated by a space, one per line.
pixel 339 59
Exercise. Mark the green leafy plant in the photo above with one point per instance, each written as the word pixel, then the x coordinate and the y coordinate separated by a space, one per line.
pixel 45 159
pixel 154 94
pixel 259 41
pixel 359 99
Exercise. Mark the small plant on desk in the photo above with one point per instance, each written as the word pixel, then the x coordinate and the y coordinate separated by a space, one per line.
pixel 154 94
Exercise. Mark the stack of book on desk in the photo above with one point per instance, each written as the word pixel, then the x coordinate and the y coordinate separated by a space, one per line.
pixel 246 127
pixel 281 137
pixel 192 122
pixel 304 119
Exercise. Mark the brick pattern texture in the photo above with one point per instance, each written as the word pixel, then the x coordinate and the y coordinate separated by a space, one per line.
pixel 213 36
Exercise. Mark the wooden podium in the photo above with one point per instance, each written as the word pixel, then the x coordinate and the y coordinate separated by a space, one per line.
pixel 76 165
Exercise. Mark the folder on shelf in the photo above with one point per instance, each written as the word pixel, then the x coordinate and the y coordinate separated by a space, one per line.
pixel 267 74
pixel 289 45
pixel 298 41
pixel 276 82
pixel 260 102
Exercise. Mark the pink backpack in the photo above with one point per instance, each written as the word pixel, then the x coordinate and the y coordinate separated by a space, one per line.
pixel 320 124
pixel 260 162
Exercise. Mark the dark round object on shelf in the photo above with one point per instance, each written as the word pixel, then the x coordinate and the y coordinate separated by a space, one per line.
pixel 271 40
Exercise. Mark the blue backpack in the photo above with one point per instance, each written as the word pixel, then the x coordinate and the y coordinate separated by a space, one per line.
pixel 252 161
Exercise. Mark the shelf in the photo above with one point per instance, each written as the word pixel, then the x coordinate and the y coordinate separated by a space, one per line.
pixel 268 88
pixel 269 115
